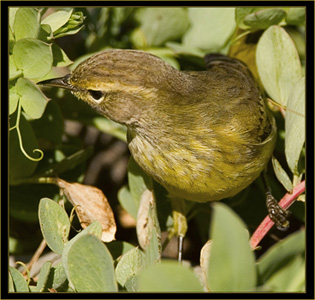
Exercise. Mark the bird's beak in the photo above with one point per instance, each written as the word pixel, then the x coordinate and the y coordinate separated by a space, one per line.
pixel 62 82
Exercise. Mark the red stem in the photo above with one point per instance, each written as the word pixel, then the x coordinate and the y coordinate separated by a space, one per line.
pixel 266 224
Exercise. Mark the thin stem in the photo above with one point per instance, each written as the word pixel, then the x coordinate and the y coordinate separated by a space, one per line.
pixel 47 180
pixel 17 127
pixel 267 224
pixel 240 36
pixel 283 108
pixel 26 271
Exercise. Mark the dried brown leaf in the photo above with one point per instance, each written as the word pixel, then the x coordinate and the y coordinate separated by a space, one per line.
pixel 91 205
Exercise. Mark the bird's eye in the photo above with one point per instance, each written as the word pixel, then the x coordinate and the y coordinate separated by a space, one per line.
pixel 96 95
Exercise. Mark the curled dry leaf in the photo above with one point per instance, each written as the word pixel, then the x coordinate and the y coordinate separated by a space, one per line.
pixel 146 219
pixel 204 262
pixel 91 205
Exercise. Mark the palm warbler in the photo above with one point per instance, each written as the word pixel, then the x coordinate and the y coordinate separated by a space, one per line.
pixel 203 135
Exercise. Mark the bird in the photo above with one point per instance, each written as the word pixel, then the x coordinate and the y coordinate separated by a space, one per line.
pixel 203 135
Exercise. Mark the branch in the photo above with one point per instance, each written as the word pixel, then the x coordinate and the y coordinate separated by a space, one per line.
pixel 267 224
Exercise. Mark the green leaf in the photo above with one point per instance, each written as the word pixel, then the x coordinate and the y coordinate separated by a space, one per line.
pixel 33 57
pixel 288 279
pixel 166 54
pixel 128 202
pixel 45 33
pixel 11 284
pixel 13 99
pixel 64 161
pixel 278 63
pixel 298 37
pixel 168 276
pixel 107 126
pixel 295 125
pixel 54 224
pixel 26 23
pixel 68 32
pixel 19 282
pixel 43 276
pixel 161 24
pixel 296 16
pixel 138 180
pixel 12 13
pixel 59 277
pixel 93 229
pixel 231 265
pixel 281 175
pixel 264 18
pixel 19 165
pixel 154 248
pixel 279 255
pixel 210 29
pixel 57 19
pixel 14 72
pixel 60 57
pixel 118 248
pixel 242 12
pixel 89 265
pixel 181 49
pixel 129 265
pixel 72 26
pixel 32 99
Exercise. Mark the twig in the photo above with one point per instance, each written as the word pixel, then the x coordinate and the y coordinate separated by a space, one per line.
pixel 267 224
pixel 36 255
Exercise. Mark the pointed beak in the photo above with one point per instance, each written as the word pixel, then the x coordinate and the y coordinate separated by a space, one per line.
pixel 62 82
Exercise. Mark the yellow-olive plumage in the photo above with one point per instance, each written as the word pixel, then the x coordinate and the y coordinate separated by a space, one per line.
pixel 203 135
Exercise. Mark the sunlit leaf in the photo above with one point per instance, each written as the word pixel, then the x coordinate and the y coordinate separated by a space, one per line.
pixel 281 174
pixel 33 57
pixel 278 63
pixel 54 223
pixel 43 276
pixel 280 254
pixel 127 201
pixel 13 99
pixel 295 125
pixel 57 19
pixel 18 280
pixel 89 265
pixel 129 265
pixel 210 28
pixel 12 13
pixel 160 25
pixel 13 70
pixel 231 265
pixel 32 99
pixel 168 276
pixel 26 23
pixel 290 278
